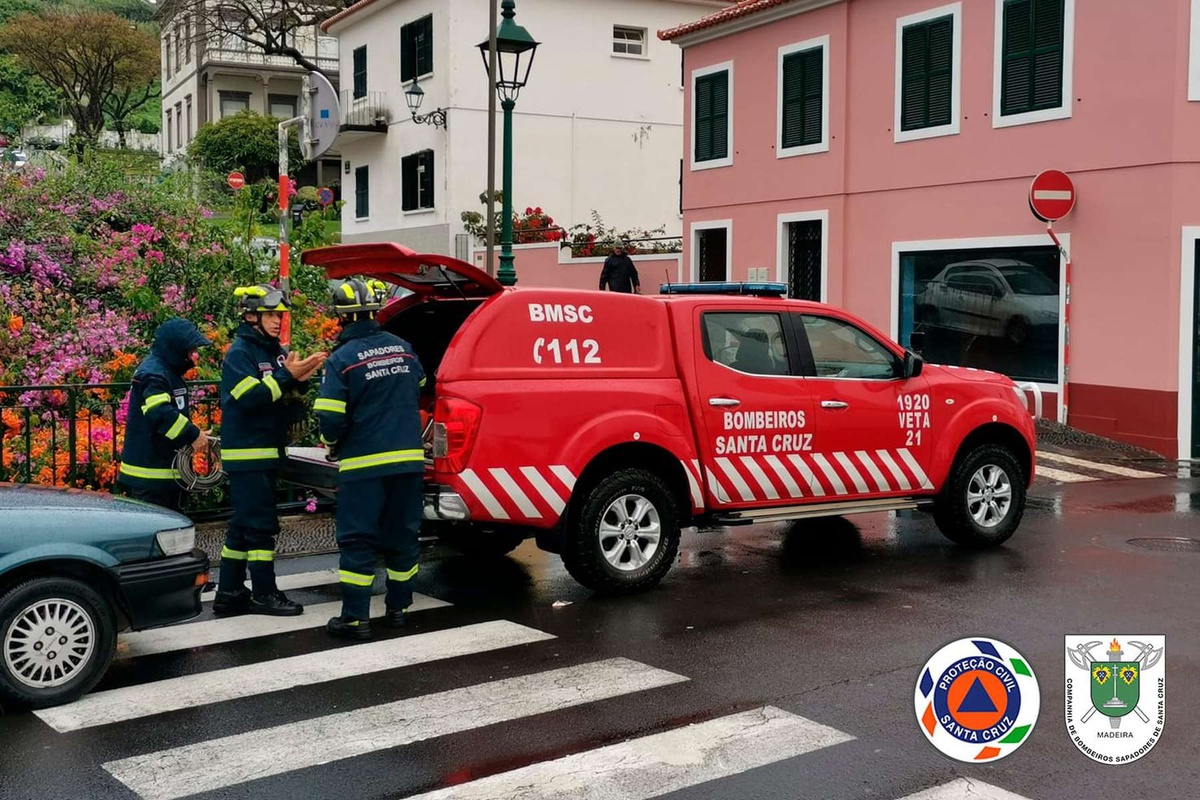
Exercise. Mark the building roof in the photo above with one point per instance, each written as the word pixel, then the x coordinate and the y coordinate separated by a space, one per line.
pixel 743 8
pixel 346 12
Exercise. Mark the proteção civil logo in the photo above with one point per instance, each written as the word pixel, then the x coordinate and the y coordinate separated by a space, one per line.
pixel 977 700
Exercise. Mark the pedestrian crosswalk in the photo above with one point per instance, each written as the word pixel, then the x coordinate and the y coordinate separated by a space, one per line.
pixel 174 761
pixel 1071 469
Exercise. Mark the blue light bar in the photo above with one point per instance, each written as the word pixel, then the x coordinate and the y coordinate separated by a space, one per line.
pixel 755 288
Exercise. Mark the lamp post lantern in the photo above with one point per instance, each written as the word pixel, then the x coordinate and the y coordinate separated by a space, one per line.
pixel 515 50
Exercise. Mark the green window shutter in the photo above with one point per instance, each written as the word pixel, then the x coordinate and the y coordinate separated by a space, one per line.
pixel 416 48
pixel 408 53
pixel 1032 60
pixel 712 117
pixel 425 46
pixel 803 86
pixel 362 192
pixel 408 183
pixel 927 75
pixel 360 72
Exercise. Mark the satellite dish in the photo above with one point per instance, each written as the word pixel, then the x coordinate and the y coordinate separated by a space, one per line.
pixel 323 115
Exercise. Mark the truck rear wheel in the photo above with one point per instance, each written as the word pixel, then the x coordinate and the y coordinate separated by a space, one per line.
pixel 626 535
pixel 984 499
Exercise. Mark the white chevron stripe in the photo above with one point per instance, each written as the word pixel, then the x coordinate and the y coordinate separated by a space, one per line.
pixel 483 494
pixel 693 483
pixel 854 474
pixel 869 463
pixel 834 479
pixel 565 475
pixel 544 489
pixel 760 476
pixel 736 479
pixel 206 766
pixel 515 492
pixel 785 477
pixel 894 468
pixel 964 789
pixel 654 766
pixel 714 486
pixel 193 691
pixel 915 468
pixel 814 483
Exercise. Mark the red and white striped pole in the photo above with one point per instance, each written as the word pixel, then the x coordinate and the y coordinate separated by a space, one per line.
pixel 285 185
pixel 1066 321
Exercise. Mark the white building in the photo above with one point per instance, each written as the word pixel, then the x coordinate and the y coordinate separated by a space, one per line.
pixel 208 75
pixel 599 125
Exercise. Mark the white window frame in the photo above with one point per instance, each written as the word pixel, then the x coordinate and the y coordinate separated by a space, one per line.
pixel 1039 240
pixel 1187 277
pixel 1194 57
pixel 644 55
pixel 1068 93
pixel 953 10
pixel 781 245
pixel 807 149
pixel 727 161
pixel 694 241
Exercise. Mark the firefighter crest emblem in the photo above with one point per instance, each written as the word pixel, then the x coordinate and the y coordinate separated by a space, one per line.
pixel 1120 715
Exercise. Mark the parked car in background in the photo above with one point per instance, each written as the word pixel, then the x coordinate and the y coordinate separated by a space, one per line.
pixel 998 297
pixel 76 568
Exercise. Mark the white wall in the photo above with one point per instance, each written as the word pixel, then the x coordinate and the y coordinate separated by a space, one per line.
pixel 592 130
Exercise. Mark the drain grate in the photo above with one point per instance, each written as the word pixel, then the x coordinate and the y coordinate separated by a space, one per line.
pixel 1177 544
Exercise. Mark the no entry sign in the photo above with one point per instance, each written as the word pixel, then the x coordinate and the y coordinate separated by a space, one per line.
pixel 236 180
pixel 1051 195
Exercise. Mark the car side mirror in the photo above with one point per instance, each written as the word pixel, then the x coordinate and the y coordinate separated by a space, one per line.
pixel 916 341
pixel 913 364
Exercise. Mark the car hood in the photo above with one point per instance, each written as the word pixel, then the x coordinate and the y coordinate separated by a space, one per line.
pixel 37 516
pixel 945 372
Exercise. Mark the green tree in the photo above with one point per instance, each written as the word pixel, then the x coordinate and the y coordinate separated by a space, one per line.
pixel 100 64
pixel 24 97
pixel 246 141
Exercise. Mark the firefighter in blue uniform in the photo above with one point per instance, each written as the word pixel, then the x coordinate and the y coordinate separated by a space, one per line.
pixel 158 424
pixel 257 378
pixel 369 412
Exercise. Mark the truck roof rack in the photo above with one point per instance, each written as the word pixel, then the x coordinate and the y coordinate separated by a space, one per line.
pixel 753 288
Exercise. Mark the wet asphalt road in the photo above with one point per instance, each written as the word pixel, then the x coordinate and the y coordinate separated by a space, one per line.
pixel 828 620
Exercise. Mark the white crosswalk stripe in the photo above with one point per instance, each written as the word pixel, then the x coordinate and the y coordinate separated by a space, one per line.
pixel 133 702
pixel 1113 469
pixel 232 629
pixel 1061 475
pixel 218 763
pixel 286 583
pixel 964 789
pixel 658 764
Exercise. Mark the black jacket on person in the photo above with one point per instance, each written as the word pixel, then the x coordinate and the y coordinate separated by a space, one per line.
pixel 158 423
pixel 254 412
pixel 619 274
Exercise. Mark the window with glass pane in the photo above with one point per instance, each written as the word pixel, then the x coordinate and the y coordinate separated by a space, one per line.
pixel 233 102
pixel 926 76
pixel 416 181
pixel 283 106
pixel 748 342
pixel 993 308
pixel 416 48
pixel 802 100
pixel 712 116
pixel 360 72
pixel 362 192
pixel 840 350
pixel 1032 62
pixel 629 41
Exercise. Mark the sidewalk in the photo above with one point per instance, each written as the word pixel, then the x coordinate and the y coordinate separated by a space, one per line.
pixel 300 534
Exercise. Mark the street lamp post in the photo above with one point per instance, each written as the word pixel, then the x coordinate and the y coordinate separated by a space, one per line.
pixel 515 50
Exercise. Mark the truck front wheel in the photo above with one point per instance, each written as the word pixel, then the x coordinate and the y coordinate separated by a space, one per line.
pixel 984 499
pixel 626 535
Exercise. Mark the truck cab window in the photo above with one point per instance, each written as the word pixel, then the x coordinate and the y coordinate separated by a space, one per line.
pixel 750 342
pixel 840 350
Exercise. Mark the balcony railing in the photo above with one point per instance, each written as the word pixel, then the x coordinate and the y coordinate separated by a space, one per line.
pixel 369 111
pixel 256 58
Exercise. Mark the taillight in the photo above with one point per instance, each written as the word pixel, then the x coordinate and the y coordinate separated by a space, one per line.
pixel 455 424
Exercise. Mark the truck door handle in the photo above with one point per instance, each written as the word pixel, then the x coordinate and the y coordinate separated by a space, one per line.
pixel 834 404
pixel 723 401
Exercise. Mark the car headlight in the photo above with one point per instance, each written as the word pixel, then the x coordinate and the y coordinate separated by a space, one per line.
pixel 176 542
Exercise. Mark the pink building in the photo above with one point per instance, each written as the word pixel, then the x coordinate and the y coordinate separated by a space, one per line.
pixel 877 155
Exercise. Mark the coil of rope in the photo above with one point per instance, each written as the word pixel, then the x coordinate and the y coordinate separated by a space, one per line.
pixel 189 478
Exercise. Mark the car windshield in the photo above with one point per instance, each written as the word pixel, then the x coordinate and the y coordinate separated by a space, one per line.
pixel 1027 280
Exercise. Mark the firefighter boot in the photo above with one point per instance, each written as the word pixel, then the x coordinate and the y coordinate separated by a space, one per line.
pixel 395 618
pixel 230 603
pixel 346 628
pixel 275 604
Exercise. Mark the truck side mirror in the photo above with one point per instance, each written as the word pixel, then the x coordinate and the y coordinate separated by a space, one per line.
pixel 913 364
pixel 916 341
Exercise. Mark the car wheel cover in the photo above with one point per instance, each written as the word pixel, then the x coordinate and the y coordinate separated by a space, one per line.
pixel 49 643
pixel 989 496
pixel 630 532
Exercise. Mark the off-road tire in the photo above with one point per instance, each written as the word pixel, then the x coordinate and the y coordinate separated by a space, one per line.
pixel 14 604
pixel 582 554
pixel 951 511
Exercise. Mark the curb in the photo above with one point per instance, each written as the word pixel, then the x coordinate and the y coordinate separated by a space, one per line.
pixel 299 535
